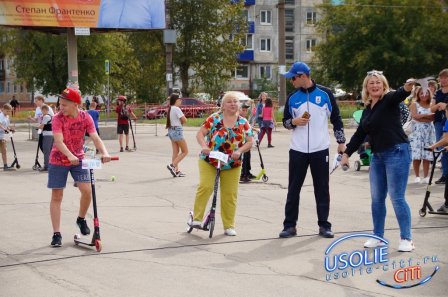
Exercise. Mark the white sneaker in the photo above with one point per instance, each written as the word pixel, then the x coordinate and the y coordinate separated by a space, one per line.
pixel 425 180
pixel 230 232
pixel 406 245
pixel 196 224
pixel 372 242
pixel 417 180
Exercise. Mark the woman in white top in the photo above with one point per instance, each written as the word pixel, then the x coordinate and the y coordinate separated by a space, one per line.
pixel 423 133
pixel 174 121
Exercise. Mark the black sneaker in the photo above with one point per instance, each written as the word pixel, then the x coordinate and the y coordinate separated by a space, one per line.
pixel 121 149
pixel 288 232
pixel 251 176
pixel 325 232
pixel 270 146
pixel 82 224
pixel 56 241
pixel 244 179
pixel 441 180
pixel 127 149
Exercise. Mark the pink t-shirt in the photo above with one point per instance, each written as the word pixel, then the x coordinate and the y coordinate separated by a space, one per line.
pixel 73 131
pixel 267 113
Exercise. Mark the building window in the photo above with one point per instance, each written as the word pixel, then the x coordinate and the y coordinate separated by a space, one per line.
pixel 290 2
pixel 311 18
pixel 8 87
pixel 310 45
pixel 242 72
pixel 289 47
pixel 2 89
pixel 248 42
pixel 21 88
pixel 265 72
pixel 246 15
pixel 289 20
pixel 1 64
pixel 265 17
pixel 15 88
pixel 265 45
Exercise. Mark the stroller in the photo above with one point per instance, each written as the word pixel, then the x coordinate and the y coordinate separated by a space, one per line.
pixel 365 152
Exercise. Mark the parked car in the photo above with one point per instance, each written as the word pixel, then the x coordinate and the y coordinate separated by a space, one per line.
pixel 191 107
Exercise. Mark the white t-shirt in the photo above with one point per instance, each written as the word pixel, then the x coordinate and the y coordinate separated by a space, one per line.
pixel 175 115
pixel 45 119
pixel 38 114
pixel 4 121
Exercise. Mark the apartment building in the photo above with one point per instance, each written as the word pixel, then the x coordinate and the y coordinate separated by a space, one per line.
pixel 9 85
pixel 260 58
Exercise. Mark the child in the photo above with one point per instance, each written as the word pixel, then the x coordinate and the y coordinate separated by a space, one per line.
pixel 47 135
pixel 245 170
pixel 268 121
pixel 95 117
pixel 443 142
pixel 69 128
pixel 4 127
pixel 123 112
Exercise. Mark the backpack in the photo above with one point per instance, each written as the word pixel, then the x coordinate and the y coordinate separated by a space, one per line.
pixel 124 114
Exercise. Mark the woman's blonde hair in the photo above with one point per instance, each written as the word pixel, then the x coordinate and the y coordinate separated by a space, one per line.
pixel 229 96
pixel 379 74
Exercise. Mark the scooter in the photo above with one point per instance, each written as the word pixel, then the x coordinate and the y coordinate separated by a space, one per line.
pixel 208 223
pixel 132 132
pixel 16 161
pixel 426 205
pixel 37 165
pixel 92 164
pixel 262 174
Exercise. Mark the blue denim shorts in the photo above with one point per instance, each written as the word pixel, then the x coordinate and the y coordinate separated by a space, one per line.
pixel 57 175
pixel 176 133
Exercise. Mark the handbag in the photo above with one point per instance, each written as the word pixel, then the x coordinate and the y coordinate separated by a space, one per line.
pixel 408 127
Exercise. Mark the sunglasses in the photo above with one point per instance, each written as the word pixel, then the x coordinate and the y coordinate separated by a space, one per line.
pixel 295 77
pixel 374 72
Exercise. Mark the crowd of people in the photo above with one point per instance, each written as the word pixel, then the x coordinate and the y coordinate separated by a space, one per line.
pixel 231 130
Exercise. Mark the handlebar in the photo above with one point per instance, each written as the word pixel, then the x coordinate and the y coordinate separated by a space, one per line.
pixel 436 150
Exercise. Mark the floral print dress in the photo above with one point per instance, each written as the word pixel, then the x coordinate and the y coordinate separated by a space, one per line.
pixel 225 140
pixel 423 135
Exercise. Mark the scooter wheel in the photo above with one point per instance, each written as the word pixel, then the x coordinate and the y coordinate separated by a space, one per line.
pixel 357 165
pixel 212 228
pixel 98 245
pixel 422 212
pixel 76 238
pixel 35 167
pixel 18 166
pixel 190 222
pixel 265 178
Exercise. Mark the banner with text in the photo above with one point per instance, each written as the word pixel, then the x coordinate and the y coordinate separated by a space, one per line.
pixel 117 14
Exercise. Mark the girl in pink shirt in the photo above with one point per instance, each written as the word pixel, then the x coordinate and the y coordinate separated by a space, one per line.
pixel 268 121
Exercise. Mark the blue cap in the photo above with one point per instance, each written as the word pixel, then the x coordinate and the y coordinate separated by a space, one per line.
pixel 296 69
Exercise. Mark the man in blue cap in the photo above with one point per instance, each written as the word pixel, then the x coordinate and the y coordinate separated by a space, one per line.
pixel 306 113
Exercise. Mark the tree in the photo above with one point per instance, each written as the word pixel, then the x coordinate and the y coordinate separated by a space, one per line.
pixel 210 34
pixel 403 38
pixel 40 59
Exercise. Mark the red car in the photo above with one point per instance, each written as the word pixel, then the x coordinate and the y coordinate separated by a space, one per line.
pixel 191 107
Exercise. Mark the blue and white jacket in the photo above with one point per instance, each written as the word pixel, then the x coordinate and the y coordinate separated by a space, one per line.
pixel 319 102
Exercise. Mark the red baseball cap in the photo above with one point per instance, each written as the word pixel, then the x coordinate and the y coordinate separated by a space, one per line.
pixel 122 98
pixel 72 95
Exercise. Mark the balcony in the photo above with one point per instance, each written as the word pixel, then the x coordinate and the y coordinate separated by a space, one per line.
pixel 251 27
pixel 246 55
pixel 246 2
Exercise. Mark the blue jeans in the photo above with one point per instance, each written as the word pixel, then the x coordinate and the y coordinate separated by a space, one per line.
pixel 439 133
pixel 389 172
